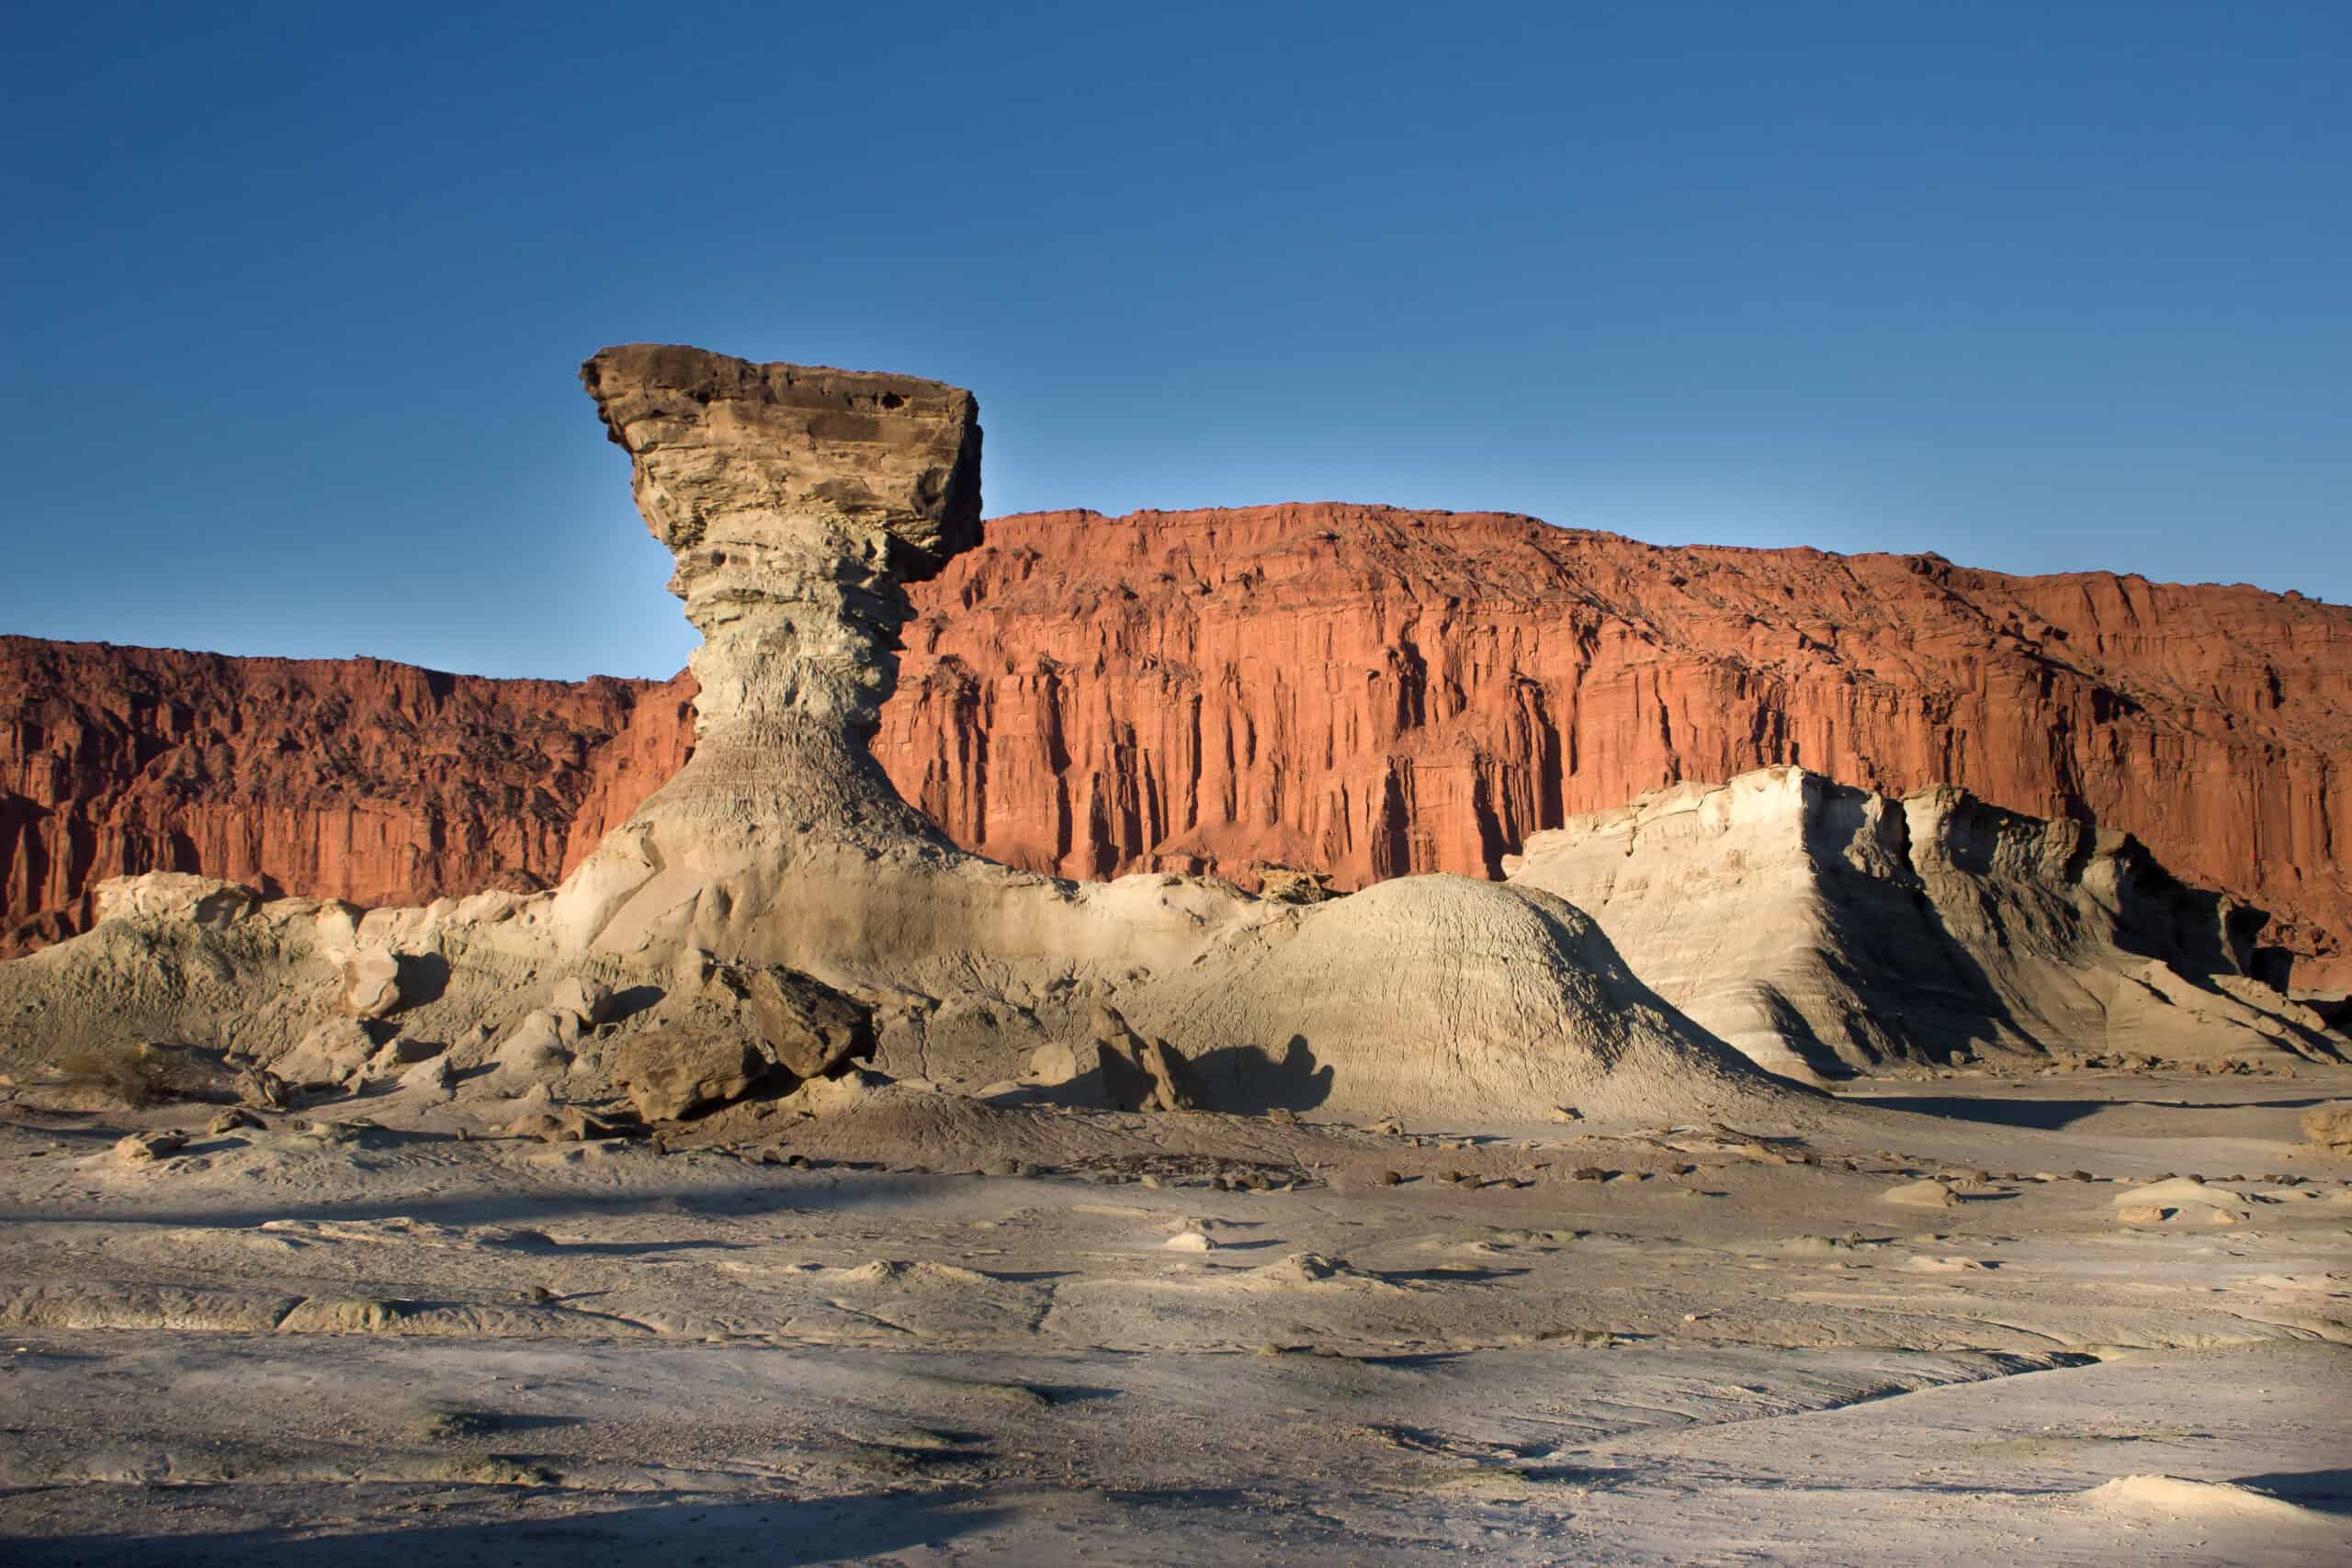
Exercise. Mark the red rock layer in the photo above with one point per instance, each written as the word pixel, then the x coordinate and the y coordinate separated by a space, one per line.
pixel 346 778
pixel 1352 689
pixel 1372 692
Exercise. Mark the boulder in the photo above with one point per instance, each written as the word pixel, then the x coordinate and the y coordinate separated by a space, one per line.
pixel 142 1148
pixel 400 1054
pixel 1922 1195
pixel 2330 1125
pixel 541 1043
pixel 258 1086
pixel 810 1028
pixel 672 1073
pixel 371 984
pixel 1053 1063
pixel 333 1053
pixel 848 1091
pixel 430 1082
pixel 590 1001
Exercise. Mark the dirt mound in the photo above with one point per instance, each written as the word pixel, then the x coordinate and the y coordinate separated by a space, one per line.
pixel 1445 995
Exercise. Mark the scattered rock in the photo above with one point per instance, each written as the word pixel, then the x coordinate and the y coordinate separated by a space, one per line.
pixel 567 1125
pixel 399 1056
pixel 329 1055
pixel 141 1148
pixel 810 1028
pixel 234 1120
pixel 1922 1195
pixel 670 1074
pixel 2330 1125
pixel 371 984
pixel 258 1086
pixel 590 1001
pixel 1053 1063
pixel 540 1044
pixel 1289 885
pixel 431 1082
pixel 1566 1113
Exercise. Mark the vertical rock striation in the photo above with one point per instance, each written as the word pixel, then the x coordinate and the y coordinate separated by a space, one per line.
pixel 1372 692
pixel 354 779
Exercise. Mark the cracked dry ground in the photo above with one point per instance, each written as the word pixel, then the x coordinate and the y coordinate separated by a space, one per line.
pixel 1598 1343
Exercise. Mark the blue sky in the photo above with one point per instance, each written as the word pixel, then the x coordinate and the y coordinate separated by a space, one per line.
pixel 294 295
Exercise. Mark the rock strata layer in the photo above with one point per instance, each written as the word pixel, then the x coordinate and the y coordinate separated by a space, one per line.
pixel 1355 691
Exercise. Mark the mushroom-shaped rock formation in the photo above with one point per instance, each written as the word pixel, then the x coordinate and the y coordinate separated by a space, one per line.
pixel 799 503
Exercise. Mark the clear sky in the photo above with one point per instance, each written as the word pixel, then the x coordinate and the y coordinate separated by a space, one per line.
pixel 294 295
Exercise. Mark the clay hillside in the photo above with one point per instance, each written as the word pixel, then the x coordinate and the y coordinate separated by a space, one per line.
pixel 1356 691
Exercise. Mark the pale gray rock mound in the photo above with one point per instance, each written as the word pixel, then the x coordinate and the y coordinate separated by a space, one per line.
pixel 1822 929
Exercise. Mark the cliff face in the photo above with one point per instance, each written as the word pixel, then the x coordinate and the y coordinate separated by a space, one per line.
pixel 1372 692
pixel 1351 689
pixel 354 779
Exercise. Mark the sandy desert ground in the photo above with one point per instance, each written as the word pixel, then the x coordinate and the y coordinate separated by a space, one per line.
pixel 937 1329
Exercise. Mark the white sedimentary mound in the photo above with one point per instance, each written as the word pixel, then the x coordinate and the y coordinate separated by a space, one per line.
pixel 1820 928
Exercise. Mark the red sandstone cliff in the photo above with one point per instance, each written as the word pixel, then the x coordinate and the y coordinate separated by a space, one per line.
pixel 1373 691
pixel 1355 689
pixel 346 778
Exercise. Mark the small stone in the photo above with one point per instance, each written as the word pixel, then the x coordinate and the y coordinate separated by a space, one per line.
pixel 1391 1178
pixel 234 1120
pixel 1922 1195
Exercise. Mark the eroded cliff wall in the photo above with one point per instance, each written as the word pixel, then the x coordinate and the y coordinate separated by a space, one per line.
pixel 354 778
pixel 1359 690
pixel 1375 691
